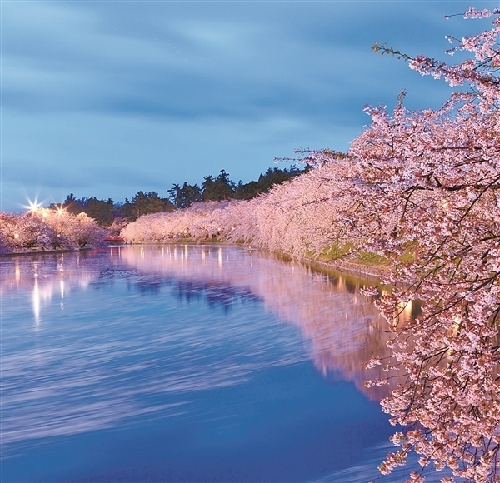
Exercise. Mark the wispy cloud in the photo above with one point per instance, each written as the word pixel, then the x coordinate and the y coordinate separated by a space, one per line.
pixel 184 89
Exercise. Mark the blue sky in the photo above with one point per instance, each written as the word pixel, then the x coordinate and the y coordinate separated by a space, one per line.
pixel 106 98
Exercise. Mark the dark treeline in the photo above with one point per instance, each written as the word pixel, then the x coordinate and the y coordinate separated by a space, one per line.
pixel 217 188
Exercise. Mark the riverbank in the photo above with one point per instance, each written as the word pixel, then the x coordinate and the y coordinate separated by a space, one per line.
pixel 44 252
pixel 346 267
pixel 355 269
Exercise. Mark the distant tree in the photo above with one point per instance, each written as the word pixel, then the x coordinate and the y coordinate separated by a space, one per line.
pixel 175 195
pixel 273 176
pixel 267 180
pixel 247 191
pixel 72 204
pixel 183 196
pixel 101 211
pixel 150 202
pixel 124 210
pixel 219 188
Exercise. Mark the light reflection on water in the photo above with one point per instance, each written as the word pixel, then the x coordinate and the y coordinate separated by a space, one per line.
pixel 147 340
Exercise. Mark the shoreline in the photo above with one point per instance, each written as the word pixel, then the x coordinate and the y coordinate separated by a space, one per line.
pixel 46 252
pixel 353 268
pixel 348 268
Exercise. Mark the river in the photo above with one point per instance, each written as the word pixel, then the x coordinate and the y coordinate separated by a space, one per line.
pixel 187 363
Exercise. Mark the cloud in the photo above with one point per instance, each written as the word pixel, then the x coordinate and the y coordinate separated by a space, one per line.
pixel 221 65
pixel 177 90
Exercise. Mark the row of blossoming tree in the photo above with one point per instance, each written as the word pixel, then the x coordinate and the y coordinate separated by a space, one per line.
pixel 422 191
pixel 48 229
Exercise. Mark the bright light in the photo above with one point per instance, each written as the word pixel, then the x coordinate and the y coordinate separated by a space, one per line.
pixel 34 206
pixel 59 209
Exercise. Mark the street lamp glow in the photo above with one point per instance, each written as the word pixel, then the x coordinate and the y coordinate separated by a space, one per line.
pixel 34 206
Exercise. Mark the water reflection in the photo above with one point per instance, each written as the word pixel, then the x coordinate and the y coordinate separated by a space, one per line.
pixel 343 326
pixel 49 276
pixel 109 344
pixel 99 340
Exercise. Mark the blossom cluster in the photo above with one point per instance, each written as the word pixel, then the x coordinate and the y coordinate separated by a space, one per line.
pixel 421 189
pixel 298 217
pixel 47 229
pixel 438 173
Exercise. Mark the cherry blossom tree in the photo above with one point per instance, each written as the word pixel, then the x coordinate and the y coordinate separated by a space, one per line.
pixel 426 195
pixel 200 221
pixel 421 190
pixel 24 232
pixel 48 229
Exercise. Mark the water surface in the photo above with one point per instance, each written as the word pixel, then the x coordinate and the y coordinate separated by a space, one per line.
pixel 186 363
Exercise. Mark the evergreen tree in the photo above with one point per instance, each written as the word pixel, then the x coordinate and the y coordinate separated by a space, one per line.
pixel 219 188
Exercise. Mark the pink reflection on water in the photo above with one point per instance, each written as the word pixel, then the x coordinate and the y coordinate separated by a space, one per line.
pixel 343 327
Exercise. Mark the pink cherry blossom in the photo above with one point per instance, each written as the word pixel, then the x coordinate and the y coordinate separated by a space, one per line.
pixel 420 189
